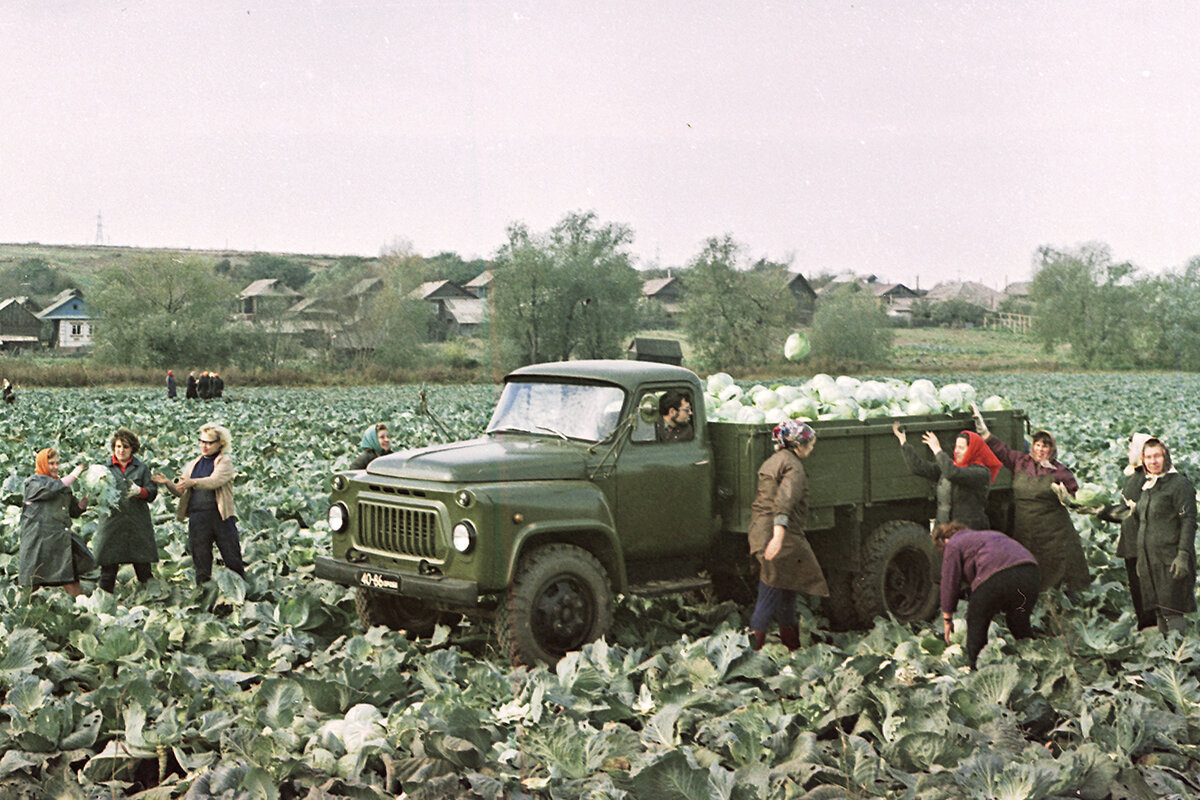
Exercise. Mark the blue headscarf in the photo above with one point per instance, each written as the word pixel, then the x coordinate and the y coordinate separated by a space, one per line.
pixel 370 439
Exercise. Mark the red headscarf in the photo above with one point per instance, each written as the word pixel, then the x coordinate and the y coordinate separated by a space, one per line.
pixel 42 463
pixel 978 453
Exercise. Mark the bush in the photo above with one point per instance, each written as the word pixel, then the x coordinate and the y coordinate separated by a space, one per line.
pixel 850 331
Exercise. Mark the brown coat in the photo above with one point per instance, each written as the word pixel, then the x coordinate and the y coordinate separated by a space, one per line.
pixel 782 498
pixel 221 481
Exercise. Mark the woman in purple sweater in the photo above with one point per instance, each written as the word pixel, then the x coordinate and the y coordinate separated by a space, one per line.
pixel 1002 576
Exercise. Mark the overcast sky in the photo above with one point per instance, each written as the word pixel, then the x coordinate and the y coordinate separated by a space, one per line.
pixel 920 141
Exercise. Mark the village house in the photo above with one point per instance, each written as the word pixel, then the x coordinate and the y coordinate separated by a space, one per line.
pixel 72 323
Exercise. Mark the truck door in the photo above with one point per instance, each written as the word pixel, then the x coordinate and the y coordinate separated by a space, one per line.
pixel 664 481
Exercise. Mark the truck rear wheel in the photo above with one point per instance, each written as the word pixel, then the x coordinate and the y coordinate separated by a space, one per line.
pixel 897 575
pixel 398 613
pixel 559 601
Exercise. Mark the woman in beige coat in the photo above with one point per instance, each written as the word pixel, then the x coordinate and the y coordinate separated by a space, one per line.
pixel 205 495
pixel 786 561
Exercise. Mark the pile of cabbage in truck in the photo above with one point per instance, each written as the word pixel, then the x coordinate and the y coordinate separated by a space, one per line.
pixel 844 397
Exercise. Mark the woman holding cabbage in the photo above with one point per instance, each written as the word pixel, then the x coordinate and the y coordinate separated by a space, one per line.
pixel 1040 520
pixel 1120 512
pixel 962 478
pixel 51 554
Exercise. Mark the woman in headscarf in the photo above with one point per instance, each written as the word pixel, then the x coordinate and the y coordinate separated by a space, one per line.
pixel 376 442
pixel 1119 512
pixel 51 555
pixel 1166 539
pixel 787 563
pixel 126 536
pixel 962 477
pixel 1040 520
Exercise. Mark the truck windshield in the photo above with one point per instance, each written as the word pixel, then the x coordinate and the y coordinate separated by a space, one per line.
pixel 570 410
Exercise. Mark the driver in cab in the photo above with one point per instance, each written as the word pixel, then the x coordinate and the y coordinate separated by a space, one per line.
pixel 675 417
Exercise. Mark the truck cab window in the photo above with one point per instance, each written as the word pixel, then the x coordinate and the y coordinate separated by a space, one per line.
pixel 664 415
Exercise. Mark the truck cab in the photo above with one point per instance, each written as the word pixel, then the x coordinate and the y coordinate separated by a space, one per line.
pixel 568 498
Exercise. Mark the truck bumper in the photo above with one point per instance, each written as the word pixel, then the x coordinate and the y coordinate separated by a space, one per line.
pixel 426 587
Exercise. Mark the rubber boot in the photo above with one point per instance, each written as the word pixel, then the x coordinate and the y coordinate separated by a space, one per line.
pixel 791 637
pixel 757 639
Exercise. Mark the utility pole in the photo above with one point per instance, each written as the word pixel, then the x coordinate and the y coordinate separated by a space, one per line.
pixel 99 229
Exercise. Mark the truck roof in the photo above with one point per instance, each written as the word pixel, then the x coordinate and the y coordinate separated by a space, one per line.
pixel 623 372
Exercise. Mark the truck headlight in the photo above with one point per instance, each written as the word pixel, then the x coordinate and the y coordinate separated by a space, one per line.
pixel 338 482
pixel 463 537
pixel 339 517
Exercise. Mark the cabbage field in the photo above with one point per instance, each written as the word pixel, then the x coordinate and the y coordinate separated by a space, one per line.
pixel 269 689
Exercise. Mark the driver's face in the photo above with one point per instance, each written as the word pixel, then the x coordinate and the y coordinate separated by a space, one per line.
pixel 681 415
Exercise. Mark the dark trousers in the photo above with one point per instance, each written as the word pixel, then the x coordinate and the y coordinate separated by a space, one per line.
pixel 108 574
pixel 206 528
pixel 1145 618
pixel 1012 591
pixel 772 603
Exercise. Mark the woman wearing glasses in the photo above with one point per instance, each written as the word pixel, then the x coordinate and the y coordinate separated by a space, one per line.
pixel 205 495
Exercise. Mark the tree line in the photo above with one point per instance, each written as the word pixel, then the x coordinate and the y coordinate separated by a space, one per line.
pixel 1113 315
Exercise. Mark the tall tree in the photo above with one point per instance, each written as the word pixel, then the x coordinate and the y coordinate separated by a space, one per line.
pixel 570 292
pixel 1083 298
pixel 851 329
pixel 159 311
pixel 1170 337
pixel 732 315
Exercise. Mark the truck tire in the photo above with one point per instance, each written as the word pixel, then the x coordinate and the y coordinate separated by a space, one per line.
pixel 898 573
pixel 559 601
pixel 398 613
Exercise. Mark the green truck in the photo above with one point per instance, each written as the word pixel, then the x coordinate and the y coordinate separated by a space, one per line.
pixel 569 499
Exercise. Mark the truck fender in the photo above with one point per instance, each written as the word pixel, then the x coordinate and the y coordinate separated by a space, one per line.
pixel 598 539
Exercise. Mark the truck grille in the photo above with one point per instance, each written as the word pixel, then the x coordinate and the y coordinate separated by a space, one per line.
pixel 408 531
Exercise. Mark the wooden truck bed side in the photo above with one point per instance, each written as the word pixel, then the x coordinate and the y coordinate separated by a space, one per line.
pixel 855 463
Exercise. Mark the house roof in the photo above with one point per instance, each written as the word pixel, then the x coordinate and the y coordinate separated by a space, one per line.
pixel 67 304
pixel 18 302
pixel 967 291
pixel 481 280
pixel 466 310
pixel 268 287
pixel 797 281
pixel 364 286
pixel 891 290
pixel 311 307
pixel 440 290
pixel 1019 289
pixel 656 285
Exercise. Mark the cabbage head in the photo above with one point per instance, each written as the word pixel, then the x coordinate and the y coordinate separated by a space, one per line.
pixel 996 403
pixel 796 347
pixel 1093 494
pixel 718 381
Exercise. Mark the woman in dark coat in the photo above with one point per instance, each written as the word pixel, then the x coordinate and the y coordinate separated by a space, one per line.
pixel 51 555
pixel 963 478
pixel 1002 576
pixel 786 561
pixel 1166 543
pixel 127 535
pixel 376 442
pixel 1040 520
pixel 170 385
pixel 1120 512
pixel 191 392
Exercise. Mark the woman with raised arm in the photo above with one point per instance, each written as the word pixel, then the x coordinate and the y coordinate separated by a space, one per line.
pixel 962 477
pixel 1040 520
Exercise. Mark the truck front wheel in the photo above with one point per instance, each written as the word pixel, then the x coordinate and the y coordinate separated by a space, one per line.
pixel 560 601
pixel 898 573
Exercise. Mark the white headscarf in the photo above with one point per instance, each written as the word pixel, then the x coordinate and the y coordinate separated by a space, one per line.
pixel 1136 442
